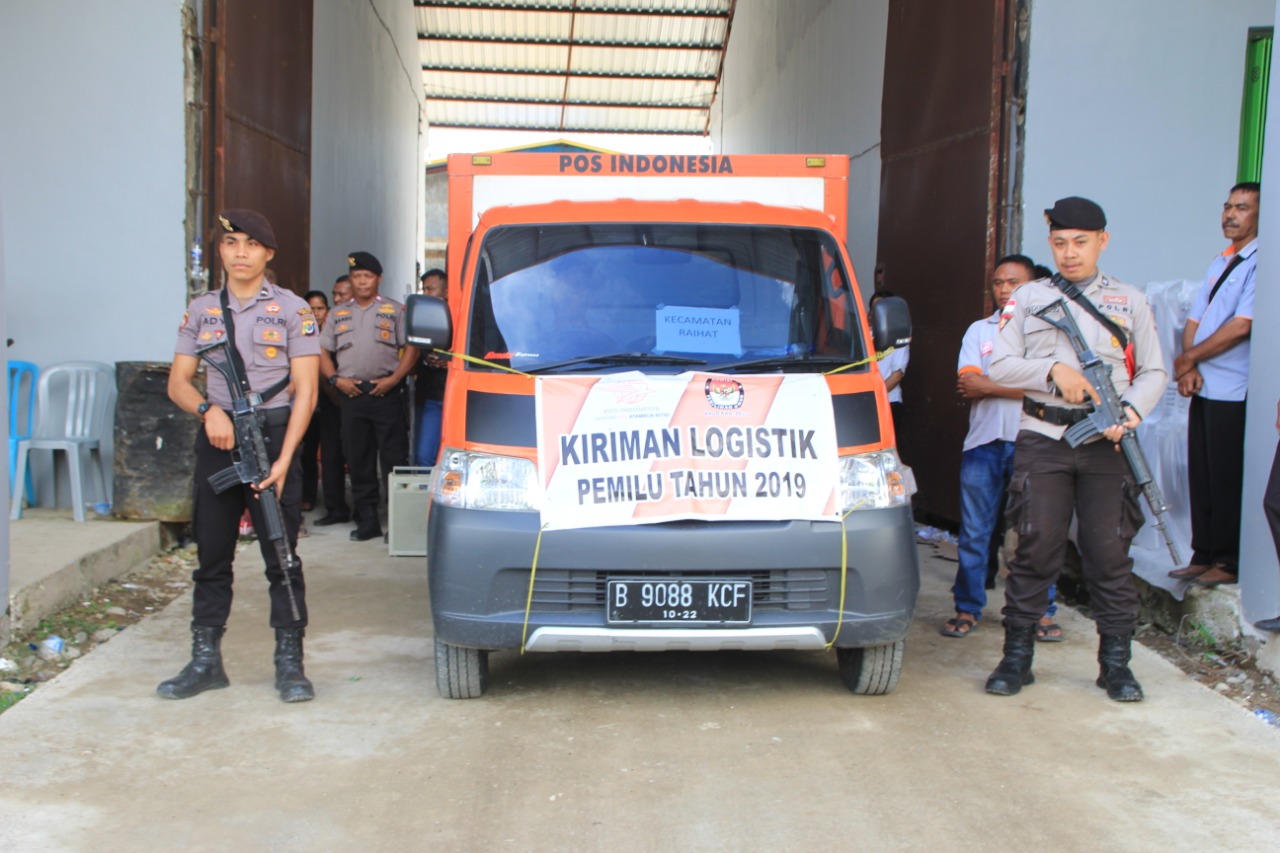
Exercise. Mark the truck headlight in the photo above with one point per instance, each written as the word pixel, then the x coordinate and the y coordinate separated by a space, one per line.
pixel 875 481
pixel 485 481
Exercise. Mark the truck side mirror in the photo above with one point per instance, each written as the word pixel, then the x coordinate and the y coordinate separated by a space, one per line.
pixel 427 322
pixel 890 323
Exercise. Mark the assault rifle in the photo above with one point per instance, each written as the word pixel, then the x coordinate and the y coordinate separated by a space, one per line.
pixel 1108 412
pixel 250 464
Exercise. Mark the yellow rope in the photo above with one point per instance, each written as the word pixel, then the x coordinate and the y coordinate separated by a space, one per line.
pixel 844 539
pixel 528 602
pixel 877 357
pixel 480 361
pixel 844 572
pixel 484 363
pixel 844 579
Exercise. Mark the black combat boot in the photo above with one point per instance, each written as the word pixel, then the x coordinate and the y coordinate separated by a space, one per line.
pixel 1014 670
pixel 290 679
pixel 1115 675
pixel 205 670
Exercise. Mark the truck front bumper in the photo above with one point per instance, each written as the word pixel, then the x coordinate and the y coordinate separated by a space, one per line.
pixel 480 564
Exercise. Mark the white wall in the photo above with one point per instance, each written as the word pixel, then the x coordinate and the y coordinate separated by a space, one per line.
pixel 807 76
pixel 1136 104
pixel 366 141
pixel 6 618
pixel 91 126
pixel 1259 567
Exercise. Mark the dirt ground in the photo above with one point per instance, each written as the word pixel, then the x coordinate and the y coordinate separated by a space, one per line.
pixel 1231 672
pixel 25 664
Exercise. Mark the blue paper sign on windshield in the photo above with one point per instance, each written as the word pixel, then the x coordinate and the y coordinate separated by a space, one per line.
pixel 705 330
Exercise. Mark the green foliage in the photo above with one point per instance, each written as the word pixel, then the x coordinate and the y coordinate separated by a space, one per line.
pixel 1201 635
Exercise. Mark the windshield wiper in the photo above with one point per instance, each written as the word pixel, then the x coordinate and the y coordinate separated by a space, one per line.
pixel 638 358
pixel 782 362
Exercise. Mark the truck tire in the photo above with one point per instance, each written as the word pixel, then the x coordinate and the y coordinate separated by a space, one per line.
pixel 461 673
pixel 871 671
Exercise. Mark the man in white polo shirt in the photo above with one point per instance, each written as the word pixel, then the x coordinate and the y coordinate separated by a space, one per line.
pixel 1213 370
pixel 987 461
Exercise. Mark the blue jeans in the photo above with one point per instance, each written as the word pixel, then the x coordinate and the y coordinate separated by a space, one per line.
pixel 984 477
pixel 428 448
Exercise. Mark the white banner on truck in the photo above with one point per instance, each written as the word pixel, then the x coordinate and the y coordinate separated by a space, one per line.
pixel 501 190
pixel 631 448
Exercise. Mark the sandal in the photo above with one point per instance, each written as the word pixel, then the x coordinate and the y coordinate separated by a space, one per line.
pixel 1048 632
pixel 961 626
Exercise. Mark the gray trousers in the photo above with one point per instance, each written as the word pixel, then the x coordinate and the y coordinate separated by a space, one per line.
pixel 1050 481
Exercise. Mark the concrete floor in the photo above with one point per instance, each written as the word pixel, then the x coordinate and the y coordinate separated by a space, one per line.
pixel 620 752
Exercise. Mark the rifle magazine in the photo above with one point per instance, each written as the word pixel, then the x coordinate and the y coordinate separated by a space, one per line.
pixel 225 479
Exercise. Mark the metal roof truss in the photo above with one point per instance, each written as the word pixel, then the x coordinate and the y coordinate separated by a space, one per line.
pixel 614 66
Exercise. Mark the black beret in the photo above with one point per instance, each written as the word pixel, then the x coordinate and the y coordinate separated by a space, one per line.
pixel 364 261
pixel 251 222
pixel 1074 212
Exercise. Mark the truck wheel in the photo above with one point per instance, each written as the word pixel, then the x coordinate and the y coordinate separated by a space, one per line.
pixel 871 671
pixel 461 673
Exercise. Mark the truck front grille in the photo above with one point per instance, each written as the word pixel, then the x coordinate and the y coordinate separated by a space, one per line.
pixel 778 589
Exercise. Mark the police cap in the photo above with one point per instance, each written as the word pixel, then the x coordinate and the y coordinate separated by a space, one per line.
pixel 1077 213
pixel 251 222
pixel 364 261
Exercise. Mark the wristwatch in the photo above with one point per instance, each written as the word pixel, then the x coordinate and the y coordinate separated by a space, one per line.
pixel 333 380
pixel 203 409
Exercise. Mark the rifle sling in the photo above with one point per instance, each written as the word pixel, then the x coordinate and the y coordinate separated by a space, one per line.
pixel 234 352
pixel 1075 294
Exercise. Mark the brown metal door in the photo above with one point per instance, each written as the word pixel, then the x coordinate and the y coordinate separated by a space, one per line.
pixel 941 185
pixel 259 91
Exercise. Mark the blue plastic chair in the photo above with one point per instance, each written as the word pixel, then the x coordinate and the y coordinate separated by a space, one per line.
pixel 23 376
pixel 75 404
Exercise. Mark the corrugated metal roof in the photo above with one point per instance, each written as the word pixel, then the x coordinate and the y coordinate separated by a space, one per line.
pixel 619 66
pixel 549 146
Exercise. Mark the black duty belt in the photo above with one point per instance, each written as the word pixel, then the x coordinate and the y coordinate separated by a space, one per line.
pixel 1056 415
pixel 277 416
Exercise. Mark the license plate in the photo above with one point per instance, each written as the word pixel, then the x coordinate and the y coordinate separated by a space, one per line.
pixel 679 600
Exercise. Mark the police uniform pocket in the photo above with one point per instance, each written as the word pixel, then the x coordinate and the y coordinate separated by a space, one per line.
pixel 1038 337
pixel 385 333
pixel 342 338
pixel 1131 516
pixel 269 346
pixel 1016 509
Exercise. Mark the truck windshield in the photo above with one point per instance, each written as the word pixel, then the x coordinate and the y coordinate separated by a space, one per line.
pixel 662 295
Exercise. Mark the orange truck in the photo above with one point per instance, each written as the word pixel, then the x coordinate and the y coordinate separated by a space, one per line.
pixel 664 427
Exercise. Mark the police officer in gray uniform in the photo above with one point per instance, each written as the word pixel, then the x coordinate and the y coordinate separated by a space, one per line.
pixel 1050 478
pixel 369 363
pixel 277 338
